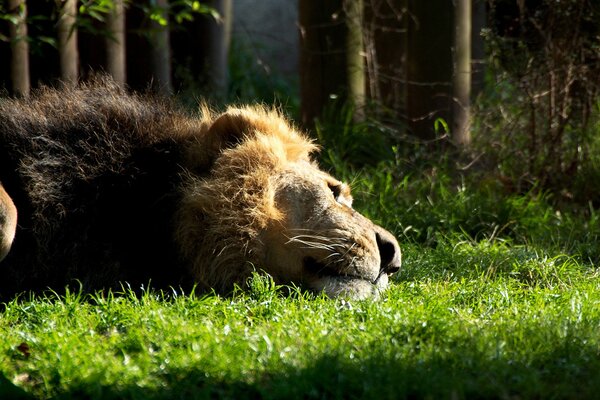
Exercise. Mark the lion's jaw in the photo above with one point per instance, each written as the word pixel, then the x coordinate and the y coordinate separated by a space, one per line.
pixel 324 244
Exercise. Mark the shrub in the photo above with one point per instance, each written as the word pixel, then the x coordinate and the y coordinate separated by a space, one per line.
pixel 539 116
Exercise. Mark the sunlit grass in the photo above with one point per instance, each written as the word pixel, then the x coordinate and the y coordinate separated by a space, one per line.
pixel 462 321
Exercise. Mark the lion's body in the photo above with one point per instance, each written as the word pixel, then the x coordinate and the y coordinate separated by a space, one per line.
pixel 114 188
pixel 95 184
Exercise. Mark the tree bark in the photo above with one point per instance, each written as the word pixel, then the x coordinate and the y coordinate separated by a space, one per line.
pixel 355 59
pixel 479 16
pixel 161 53
pixel 115 43
pixel 461 103
pixel 67 42
pixel 331 55
pixel 219 33
pixel 19 66
pixel 429 65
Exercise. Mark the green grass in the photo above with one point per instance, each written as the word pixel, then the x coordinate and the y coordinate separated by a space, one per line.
pixel 529 331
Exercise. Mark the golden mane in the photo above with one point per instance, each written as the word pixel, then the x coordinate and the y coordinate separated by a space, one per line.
pixel 257 142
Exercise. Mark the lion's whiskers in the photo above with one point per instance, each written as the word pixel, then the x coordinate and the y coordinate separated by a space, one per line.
pixel 316 242
pixel 339 248
pixel 311 245
pixel 332 255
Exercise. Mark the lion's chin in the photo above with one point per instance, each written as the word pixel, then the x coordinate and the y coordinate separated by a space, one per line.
pixel 351 287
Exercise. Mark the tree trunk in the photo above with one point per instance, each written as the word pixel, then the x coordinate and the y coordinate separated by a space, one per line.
pixel 331 55
pixel 462 74
pixel 161 53
pixel 219 33
pixel 115 43
pixel 429 65
pixel 355 59
pixel 19 66
pixel 477 47
pixel 67 43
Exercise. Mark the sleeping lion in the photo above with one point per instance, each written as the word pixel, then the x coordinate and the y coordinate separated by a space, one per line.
pixel 111 187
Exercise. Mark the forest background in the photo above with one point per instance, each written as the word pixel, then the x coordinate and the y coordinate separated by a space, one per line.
pixel 518 78
pixel 468 128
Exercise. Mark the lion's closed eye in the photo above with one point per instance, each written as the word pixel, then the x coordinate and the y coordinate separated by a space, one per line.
pixel 341 193
pixel 336 189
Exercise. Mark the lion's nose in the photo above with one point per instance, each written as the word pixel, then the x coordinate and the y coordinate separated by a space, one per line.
pixel 389 251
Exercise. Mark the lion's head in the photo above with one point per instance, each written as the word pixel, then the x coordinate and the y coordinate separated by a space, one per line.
pixel 254 198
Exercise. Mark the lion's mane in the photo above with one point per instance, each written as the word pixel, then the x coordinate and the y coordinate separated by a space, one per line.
pixel 114 187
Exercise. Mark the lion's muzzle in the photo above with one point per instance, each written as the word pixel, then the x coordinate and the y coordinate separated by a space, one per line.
pixel 355 276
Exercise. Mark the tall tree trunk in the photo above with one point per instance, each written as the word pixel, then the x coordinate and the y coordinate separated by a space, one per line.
pixel 429 65
pixel 462 74
pixel 67 42
pixel 115 43
pixel 479 16
pixel 219 34
pixel 355 59
pixel 331 55
pixel 161 52
pixel 19 66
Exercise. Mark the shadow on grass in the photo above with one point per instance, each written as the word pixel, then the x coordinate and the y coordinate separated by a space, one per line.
pixel 460 373
pixel 9 391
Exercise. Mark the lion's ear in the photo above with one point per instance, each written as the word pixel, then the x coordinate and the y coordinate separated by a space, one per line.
pixel 226 131
pixel 229 129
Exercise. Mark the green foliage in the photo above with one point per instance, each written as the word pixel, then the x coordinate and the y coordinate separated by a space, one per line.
pixel 12 17
pixel 252 80
pixel 96 9
pixel 92 12
pixel 538 118
pixel 180 11
pixel 347 143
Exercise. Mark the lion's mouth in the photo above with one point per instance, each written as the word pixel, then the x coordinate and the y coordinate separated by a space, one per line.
pixel 322 270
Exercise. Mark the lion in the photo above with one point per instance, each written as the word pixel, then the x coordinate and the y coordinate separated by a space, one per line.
pixel 113 187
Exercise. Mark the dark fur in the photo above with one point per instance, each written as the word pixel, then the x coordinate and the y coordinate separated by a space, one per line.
pixel 95 175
